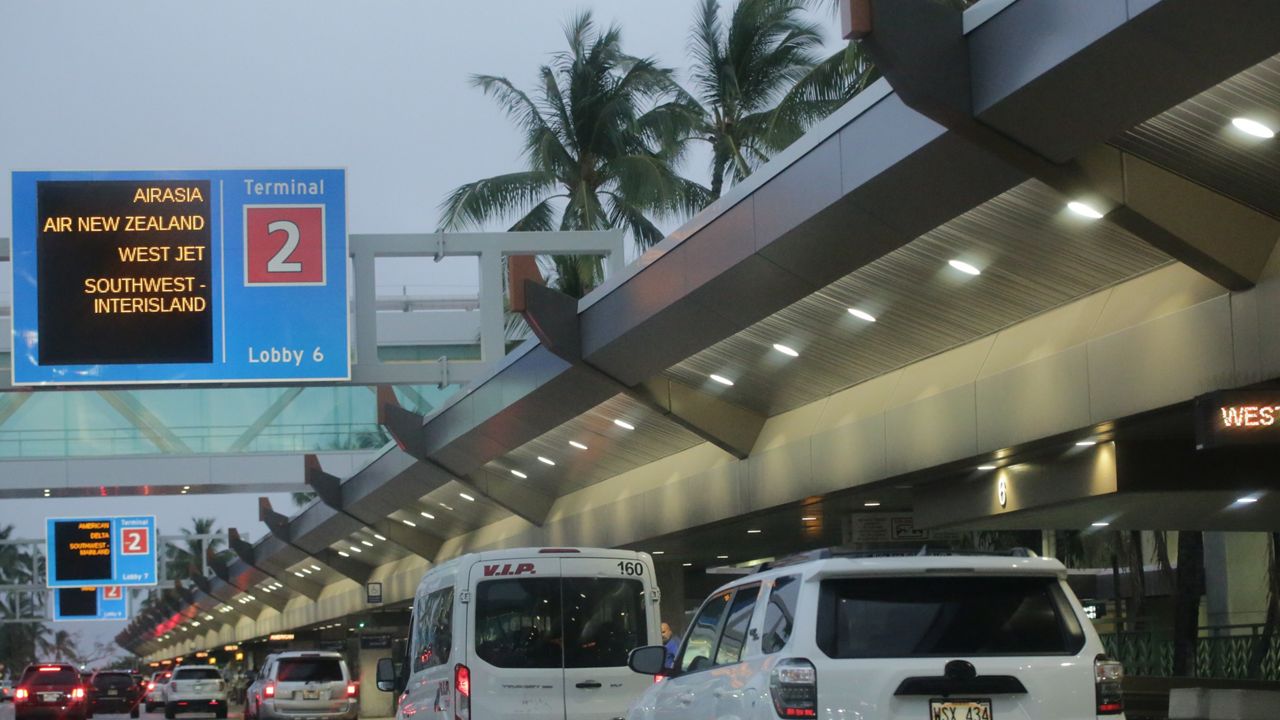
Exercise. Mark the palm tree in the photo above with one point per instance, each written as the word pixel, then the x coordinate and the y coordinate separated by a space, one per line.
pixel 180 558
pixel 746 76
pixel 61 645
pixel 603 134
pixel 18 566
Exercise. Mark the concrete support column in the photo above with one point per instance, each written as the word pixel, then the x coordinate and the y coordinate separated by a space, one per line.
pixel 374 703
pixel 1217 600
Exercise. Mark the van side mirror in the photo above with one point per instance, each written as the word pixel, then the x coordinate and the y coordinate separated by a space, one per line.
pixel 649 660
pixel 386 678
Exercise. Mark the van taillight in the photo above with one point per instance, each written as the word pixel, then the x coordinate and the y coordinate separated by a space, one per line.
pixel 794 686
pixel 462 694
pixel 1108 675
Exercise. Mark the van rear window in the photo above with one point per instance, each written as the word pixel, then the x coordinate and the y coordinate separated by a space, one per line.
pixel 309 670
pixel 945 616
pixel 559 622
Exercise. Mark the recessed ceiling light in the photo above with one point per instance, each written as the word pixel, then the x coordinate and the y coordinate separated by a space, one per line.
pixel 343 554
pixel 658 552
pixel 754 532
pixel 808 518
pixel 366 543
pixel 722 557
pixel 577 444
pixel 986 467
pixel 1101 523
pixel 862 314
pixel 1086 443
pixel 686 564
pixel 410 523
pixel 427 515
pixel 307 570
pixel 186 487
pixel 873 503
pixel 446 507
pixel 964 267
pixel 546 461
pixel 377 537
pixel 623 424
pixel 785 350
pixel 1246 500
pixel 1253 127
pixel 355 549
pixel 519 474
pixel 1084 210
pixel 466 497
pixel 722 380
pixel 295 572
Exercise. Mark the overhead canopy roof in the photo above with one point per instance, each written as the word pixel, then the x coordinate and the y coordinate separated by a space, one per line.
pixel 1129 103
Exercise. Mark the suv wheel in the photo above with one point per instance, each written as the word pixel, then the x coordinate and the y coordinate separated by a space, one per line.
pixel 170 710
pixel 222 712
pixel 150 706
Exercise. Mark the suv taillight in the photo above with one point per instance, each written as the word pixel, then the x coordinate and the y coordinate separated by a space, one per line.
pixel 77 694
pixel 462 694
pixel 21 694
pixel 351 690
pixel 151 686
pixel 794 686
pixel 269 690
pixel 1107 677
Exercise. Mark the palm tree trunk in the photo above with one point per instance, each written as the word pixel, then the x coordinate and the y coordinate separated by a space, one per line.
pixel 1186 613
pixel 717 173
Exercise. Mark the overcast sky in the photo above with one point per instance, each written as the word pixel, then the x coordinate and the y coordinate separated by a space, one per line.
pixel 379 87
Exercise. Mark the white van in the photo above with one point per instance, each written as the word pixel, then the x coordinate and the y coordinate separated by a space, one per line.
pixel 533 633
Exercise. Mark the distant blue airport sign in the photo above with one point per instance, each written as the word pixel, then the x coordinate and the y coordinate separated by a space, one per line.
pixel 91 603
pixel 179 277
pixel 101 551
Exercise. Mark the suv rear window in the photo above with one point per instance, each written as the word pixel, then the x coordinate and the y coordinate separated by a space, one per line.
pixel 945 616
pixel 197 674
pixel 309 670
pixel 113 680
pixel 53 677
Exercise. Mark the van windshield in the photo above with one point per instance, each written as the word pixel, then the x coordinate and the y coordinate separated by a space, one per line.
pixel 880 617
pixel 559 622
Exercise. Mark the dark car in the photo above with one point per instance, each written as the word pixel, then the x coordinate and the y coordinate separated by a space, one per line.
pixel 114 692
pixel 50 691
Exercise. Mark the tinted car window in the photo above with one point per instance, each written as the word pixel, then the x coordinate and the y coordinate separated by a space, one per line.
pixel 518 623
pixel 309 670
pixel 780 613
pixel 702 635
pixel 434 631
pixel 734 637
pixel 58 677
pixel 945 616
pixel 204 673
pixel 104 681
pixel 604 621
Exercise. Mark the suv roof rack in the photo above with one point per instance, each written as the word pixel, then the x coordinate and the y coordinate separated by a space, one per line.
pixel 922 551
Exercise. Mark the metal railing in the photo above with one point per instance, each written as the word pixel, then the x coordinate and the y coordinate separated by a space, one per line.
pixel 1232 652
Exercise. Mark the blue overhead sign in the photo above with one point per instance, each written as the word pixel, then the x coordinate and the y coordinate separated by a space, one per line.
pixel 179 277
pixel 91 603
pixel 98 551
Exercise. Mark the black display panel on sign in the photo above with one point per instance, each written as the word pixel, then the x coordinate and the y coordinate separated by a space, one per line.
pixel 125 272
pixel 1237 417
pixel 82 550
pixel 78 602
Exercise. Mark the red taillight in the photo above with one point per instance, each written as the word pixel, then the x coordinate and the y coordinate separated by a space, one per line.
pixel 151 686
pixel 77 694
pixel 50 668
pixel 269 690
pixel 1108 675
pixel 351 689
pixel 462 696
pixel 21 694
pixel 794 686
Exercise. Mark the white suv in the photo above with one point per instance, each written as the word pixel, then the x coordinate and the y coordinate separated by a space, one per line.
pixel 195 688
pixel 941 637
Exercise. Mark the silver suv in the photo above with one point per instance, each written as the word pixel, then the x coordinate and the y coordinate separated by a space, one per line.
pixel 959 636
pixel 195 688
pixel 302 684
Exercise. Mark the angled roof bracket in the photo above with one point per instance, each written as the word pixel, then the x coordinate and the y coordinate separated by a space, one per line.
pixel 329 488
pixel 244 551
pixel 279 526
